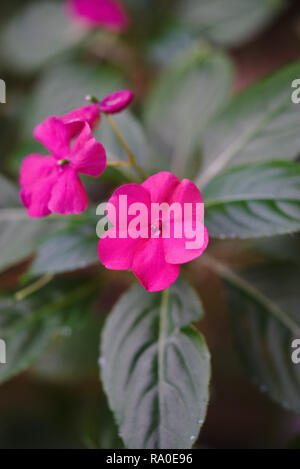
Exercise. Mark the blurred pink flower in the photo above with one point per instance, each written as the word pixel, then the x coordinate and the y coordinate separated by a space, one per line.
pixel 109 14
pixel 116 102
pixel 154 258
pixel 51 184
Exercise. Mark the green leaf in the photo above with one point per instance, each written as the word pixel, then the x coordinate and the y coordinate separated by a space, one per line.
pixel 156 367
pixel 261 199
pixel 28 327
pixel 228 22
pixel 259 124
pixel 264 304
pixel 23 344
pixel 19 234
pixel 100 430
pixel 38 33
pixel 280 248
pixel 64 88
pixel 173 42
pixel 24 148
pixel 8 193
pixel 74 355
pixel 184 100
pixel 67 251
pixel 134 135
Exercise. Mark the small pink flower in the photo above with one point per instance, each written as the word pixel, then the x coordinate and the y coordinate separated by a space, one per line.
pixel 154 259
pixel 116 102
pixel 109 14
pixel 51 184
pixel 90 114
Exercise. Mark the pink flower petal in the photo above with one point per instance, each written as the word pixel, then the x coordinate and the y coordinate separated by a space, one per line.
pixel 134 194
pixel 89 114
pixel 116 102
pixel 116 253
pixel 87 155
pixel 36 199
pixel 161 186
pixel 36 167
pixel 187 192
pixel 150 267
pixel 69 196
pixel 55 136
pixel 108 14
pixel 37 178
pixel 176 251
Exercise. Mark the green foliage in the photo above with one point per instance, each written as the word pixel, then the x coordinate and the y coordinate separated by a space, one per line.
pixel 73 356
pixel 19 234
pixel 64 88
pixel 28 327
pixel 100 430
pixel 8 193
pixel 228 22
pixel 155 367
pixel 134 135
pixel 259 124
pixel 182 102
pixel 67 251
pixel 261 199
pixel 39 32
pixel 265 312
pixel 25 337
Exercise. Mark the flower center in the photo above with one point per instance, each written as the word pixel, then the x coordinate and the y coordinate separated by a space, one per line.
pixel 63 162
pixel 156 228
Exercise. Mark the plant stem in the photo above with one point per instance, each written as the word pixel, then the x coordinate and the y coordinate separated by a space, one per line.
pixel 131 158
pixel 116 164
pixel 252 292
pixel 71 298
pixel 34 287
pixel 163 331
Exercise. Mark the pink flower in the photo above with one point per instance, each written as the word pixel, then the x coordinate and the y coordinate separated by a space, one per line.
pixel 90 114
pixel 156 254
pixel 51 184
pixel 109 14
pixel 116 102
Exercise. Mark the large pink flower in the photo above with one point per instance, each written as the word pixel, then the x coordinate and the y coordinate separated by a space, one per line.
pixel 152 256
pixel 51 184
pixel 109 14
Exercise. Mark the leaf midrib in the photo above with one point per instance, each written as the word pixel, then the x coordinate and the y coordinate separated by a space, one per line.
pixel 163 332
pixel 230 152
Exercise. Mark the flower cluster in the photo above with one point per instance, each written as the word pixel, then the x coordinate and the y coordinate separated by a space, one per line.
pixel 51 184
